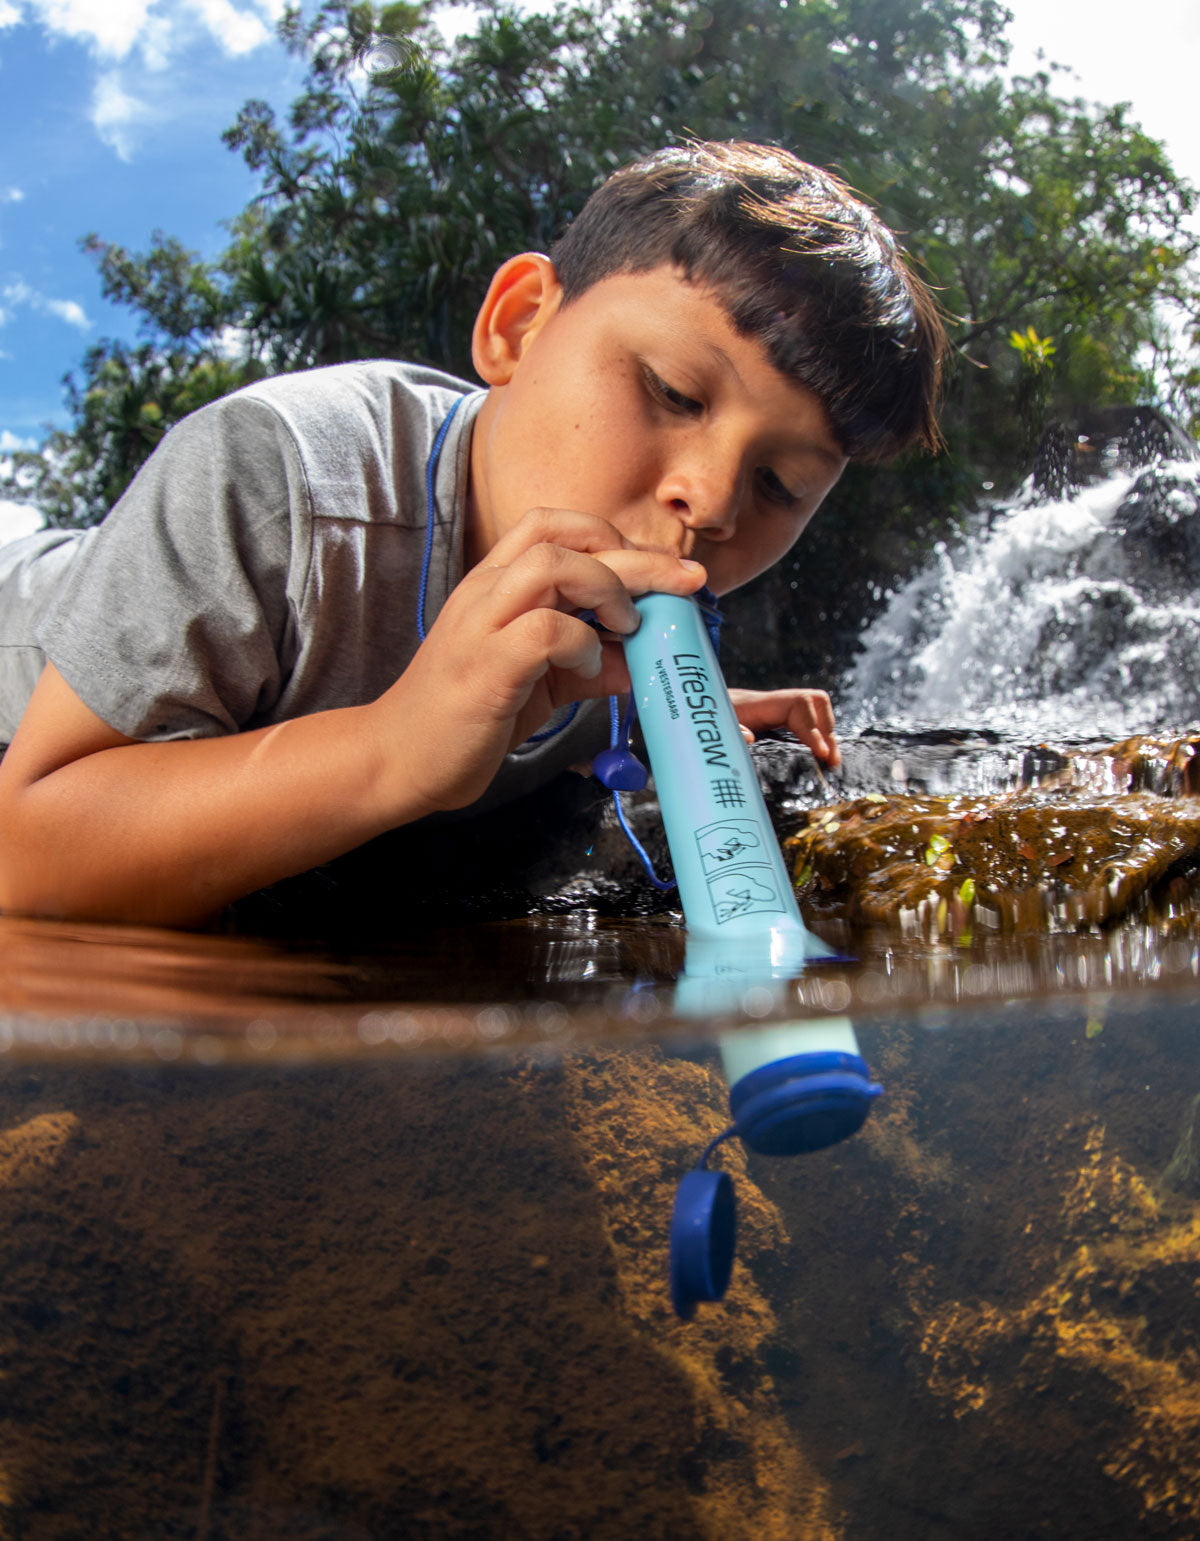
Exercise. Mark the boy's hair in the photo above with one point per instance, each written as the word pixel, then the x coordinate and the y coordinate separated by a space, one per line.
pixel 797 261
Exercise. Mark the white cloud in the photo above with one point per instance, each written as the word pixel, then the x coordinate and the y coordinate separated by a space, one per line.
pixel 453 20
pixel 116 115
pixel 112 27
pixel 233 344
pixel 10 441
pixel 69 311
pixel 18 292
pixel 1152 67
pixel 143 37
pixel 11 195
pixel 238 32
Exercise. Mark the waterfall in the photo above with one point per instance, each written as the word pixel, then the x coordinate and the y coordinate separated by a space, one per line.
pixel 1076 618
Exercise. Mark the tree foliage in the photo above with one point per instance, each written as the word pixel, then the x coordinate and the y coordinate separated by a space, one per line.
pixel 128 397
pixel 388 194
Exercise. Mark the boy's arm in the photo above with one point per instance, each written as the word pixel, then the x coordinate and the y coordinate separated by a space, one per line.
pixel 102 826
pixel 99 825
pixel 806 713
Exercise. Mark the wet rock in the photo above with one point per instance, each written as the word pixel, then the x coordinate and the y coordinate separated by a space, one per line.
pixel 1159 532
pixel 1089 838
pixel 1168 766
pixel 1182 1173
pixel 1100 441
pixel 1028 860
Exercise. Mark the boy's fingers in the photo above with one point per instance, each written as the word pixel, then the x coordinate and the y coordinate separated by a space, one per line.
pixel 806 713
pixel 556 578
pixel 560 527
pixel 811 721
pixel 548 639
pixel 823 743
pixel 822 709
pixel 641 571
pixel 654 572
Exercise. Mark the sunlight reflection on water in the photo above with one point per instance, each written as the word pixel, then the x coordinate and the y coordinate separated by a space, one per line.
pixel 116 992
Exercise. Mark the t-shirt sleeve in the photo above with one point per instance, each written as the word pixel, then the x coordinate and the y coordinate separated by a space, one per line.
pixel 176 618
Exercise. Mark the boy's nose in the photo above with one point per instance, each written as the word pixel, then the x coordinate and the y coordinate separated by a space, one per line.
pixel 703 500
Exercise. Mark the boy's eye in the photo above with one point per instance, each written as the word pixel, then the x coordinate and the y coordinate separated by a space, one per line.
pixel 668 396
pixel 773 489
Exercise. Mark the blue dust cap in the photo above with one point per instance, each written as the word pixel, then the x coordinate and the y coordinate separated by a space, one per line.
pixel 802 1103
pixel 703 1236
pixel 620 770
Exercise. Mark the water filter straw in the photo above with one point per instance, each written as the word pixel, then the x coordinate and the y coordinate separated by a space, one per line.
pixel 794 1086
pixel 731 877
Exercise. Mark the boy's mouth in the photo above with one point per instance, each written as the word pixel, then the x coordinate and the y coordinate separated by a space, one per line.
pixel 684 546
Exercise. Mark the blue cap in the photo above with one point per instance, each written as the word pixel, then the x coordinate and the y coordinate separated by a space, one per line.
pixel 804 1102
pixel 703 1236
pixel 620 770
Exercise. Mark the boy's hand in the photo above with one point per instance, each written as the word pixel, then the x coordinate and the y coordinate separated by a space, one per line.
pixel 806 713
pixel 507 649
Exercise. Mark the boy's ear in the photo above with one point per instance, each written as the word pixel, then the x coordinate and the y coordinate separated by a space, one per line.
pixel 521 298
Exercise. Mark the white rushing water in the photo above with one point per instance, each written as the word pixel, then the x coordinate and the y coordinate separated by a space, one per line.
pixel 1078 618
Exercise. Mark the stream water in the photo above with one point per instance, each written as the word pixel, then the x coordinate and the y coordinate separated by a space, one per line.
pixel 368 1240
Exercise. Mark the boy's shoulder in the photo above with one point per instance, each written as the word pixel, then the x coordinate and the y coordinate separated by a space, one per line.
pixel 370 387
pixel 371 423
pixel 339 423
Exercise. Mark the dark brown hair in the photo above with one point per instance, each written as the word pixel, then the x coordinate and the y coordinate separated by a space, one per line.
pixel 797 261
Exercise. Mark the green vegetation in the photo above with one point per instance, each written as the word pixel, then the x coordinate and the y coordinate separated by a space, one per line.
pixel 1053 229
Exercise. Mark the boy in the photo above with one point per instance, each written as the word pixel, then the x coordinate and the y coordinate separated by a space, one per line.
pixel 334 604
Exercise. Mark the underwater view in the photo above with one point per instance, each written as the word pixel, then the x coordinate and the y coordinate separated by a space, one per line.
pixel 370 1238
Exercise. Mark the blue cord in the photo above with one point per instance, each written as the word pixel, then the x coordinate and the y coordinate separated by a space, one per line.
pixel 620 732
pixel 536 738
pixel 614 736
pixel 431 465
pixel 731 1133
pixel 640 849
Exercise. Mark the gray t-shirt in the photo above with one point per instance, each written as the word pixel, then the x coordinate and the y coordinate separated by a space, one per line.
pixel 265 563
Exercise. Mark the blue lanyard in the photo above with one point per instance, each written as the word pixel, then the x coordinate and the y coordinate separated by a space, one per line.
pixel 431 465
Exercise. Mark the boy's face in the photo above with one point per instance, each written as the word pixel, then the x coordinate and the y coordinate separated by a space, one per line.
pixel 639 402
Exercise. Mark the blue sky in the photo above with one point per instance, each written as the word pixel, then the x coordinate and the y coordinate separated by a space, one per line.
pixel 111 113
